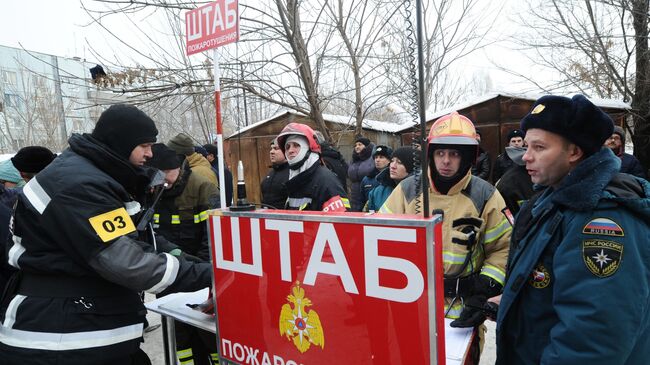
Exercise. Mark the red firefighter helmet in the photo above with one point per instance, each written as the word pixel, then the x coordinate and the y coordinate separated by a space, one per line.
pixel 453 129
pixel 301 130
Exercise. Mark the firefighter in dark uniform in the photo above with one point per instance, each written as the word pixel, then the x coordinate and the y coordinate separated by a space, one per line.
pixel 311 185
pixel 180 216
pixel 76 298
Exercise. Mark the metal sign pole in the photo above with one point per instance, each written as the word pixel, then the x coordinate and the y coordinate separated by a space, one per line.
pixel 423 119
pixel 217 102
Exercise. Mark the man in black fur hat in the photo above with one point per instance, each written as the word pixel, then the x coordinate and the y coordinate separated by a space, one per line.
pixel 578 274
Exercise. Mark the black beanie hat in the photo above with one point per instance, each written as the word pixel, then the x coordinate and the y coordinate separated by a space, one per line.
pixel 406 155
pixel 182 144
pixel 32 159
pixel 576 119
pixel 363 140
pixel 123 127
pixel 201 150
pixel 515 133
pixel 211 149
pixel 382 150
pixel 164 158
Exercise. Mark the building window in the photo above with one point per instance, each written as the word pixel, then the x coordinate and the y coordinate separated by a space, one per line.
pixel 12 101
pixel 9 77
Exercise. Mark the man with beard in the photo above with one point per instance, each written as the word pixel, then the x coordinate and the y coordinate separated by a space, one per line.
pixel 629 163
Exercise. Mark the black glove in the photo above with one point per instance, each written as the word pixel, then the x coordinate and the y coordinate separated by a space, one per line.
pixel 472 314
pixel 464 231
pixel 477 307
pixel 486 286
pixel 190 258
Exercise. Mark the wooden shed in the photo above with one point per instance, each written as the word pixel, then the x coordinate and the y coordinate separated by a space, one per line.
pixel 496 114
pixel 252 143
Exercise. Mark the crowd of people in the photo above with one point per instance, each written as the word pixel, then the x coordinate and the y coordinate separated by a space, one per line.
pixel 541 233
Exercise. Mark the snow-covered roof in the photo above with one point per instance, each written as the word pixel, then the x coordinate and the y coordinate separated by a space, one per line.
pixel 349 121
pixel 392 127
pixel 603 103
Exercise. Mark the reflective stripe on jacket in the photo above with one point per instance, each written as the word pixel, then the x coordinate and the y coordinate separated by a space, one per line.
pixel 470 197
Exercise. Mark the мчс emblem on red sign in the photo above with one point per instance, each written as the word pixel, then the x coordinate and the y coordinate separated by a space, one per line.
pixel 300 325
pixel 211 26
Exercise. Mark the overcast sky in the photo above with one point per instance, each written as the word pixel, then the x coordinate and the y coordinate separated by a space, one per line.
pixel 61 28
pixel 53 27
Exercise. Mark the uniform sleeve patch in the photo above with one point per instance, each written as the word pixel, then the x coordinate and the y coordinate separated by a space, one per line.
pixel 602 257
pixel 509 216
pixel 113 224
pixel 335 204
pixel 603 227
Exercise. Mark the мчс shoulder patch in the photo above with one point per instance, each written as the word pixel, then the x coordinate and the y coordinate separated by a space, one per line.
pixel 603 227
pixel 602 257
pixel 112 224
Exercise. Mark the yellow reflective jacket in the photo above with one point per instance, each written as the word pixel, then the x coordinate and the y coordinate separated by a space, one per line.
pixel 200 165
pixel 470 197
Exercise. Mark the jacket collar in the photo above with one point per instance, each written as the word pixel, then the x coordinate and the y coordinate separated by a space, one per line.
pixel 134 179
pixel 583 187
pixel 457 188
pixel 280 166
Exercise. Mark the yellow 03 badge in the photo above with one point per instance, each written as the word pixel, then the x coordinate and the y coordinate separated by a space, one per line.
pixel 112 224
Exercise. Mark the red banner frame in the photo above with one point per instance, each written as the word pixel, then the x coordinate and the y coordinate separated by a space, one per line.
pixel 313 288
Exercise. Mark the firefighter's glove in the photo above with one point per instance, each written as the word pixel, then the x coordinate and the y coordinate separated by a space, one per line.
pixel 191 258
pixel 487 286
pixel 465 231
pixel 472 315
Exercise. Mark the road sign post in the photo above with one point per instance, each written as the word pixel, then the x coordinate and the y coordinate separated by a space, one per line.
pixel 209 27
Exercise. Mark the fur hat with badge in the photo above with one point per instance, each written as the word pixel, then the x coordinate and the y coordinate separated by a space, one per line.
pixel 515 133
pixel 182 144
pixel 576 119
pixel 123 127
pixel 382 150
pixel 32 159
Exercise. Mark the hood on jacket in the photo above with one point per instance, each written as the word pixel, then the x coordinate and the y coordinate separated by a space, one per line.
pixel 133 178
pixel 516 154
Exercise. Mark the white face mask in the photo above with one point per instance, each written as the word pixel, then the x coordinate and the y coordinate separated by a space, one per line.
pixel 304 148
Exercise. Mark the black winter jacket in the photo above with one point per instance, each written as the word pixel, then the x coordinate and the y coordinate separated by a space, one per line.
pixel 81 263
pixel 501 165
pixel 334 161
pixel 482 166
pixel 515 187
pixel 314 187
pixel 181 214
pixel 228 180
pixel 274 191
